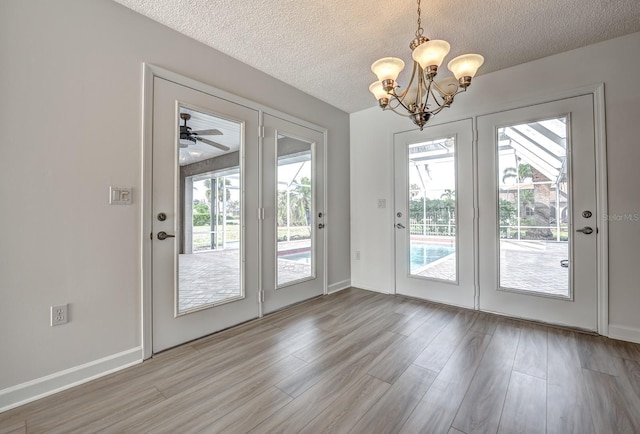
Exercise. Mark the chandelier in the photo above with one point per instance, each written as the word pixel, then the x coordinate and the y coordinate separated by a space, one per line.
pixel 423 97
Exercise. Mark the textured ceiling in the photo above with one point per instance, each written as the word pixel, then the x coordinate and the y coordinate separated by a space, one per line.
pixel 325 48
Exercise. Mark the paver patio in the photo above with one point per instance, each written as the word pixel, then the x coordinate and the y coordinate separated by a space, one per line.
pixel 210 277
pixel 526 265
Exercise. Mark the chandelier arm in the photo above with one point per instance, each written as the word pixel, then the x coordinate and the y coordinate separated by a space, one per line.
pixel 460 90
pixel 440 102
pixel 427 93
pixel 400 100
pixel 399 104
pixel 393 109
pixel 404 94
pixel 437 110
pixel 439 89
pixel 421 93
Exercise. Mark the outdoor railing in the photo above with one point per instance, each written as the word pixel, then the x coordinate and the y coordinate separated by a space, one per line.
pixel 448 228
pixel 522 232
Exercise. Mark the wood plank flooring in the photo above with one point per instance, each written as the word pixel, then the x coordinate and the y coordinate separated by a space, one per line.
pixel 362 362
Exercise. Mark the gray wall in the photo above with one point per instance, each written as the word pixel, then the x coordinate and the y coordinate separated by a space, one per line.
pixel 71 86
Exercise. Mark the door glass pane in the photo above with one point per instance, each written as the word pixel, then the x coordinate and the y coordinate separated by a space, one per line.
pixel 533 181
pixel 294 211
pixel 209 201
pixel 432 209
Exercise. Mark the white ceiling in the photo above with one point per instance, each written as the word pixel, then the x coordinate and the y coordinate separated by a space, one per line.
pixel 325 48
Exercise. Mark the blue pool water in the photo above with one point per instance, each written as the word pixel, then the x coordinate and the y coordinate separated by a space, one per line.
pixel 421 255
pixel 304 257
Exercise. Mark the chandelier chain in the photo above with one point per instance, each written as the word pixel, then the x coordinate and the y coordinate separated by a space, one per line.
pixel 420 29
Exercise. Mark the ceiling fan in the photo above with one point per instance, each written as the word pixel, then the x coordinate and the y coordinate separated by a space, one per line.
pixel 187 135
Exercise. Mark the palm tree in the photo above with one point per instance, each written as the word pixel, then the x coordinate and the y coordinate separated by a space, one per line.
pixel 523 172
pixel 300 202
pixel 294 204
pixel 449 197
pixel 508 173
pixel 541 200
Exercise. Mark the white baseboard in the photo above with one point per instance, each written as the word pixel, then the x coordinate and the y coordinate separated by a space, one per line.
pixel 339 286
pixel 370 288
pixel 624 333
pixel 20 394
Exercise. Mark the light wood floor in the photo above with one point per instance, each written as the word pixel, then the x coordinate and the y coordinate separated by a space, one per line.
pixel 362 362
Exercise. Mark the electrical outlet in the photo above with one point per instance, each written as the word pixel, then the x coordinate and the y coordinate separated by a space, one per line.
pixel 59 315
pixel 357 255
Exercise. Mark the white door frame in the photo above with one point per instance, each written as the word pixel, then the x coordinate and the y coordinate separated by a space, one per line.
pixel 149 71
pixel 602 253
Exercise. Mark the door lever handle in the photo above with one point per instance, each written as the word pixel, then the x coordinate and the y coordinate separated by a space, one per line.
pixel 400 226
pixel 585 230
pixel 163 235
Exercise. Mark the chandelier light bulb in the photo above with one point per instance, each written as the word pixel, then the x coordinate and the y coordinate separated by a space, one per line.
pixel 376 89
pixel 387 68
pixel 447 86
pixel 431 53
pixel 466 65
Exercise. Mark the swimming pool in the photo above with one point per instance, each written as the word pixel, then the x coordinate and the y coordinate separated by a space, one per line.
pixel 304 257
pixel 421 255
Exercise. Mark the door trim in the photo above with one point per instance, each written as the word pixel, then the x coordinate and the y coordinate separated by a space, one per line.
pixel 149 72
pixel 602 253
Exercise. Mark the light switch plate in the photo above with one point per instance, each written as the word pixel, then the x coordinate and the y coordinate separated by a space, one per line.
pixel 120 195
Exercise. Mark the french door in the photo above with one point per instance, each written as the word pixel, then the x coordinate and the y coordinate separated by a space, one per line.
pixel 434 213
pixel 204 230
pixel 229 218
pixel 538 221
pixel 293 202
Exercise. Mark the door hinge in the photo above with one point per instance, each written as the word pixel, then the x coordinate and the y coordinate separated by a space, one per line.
pixel 261 296
pixel 260 213
pixel 261 132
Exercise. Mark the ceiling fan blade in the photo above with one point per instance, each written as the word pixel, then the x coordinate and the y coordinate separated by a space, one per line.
pixel 214 144
pixel 212 132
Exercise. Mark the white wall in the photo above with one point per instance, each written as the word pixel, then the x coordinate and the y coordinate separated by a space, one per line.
pixel 70 120
pixel 615 63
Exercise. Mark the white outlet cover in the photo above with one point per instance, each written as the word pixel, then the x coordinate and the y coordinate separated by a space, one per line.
pixel 59 314
pixel 120 195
